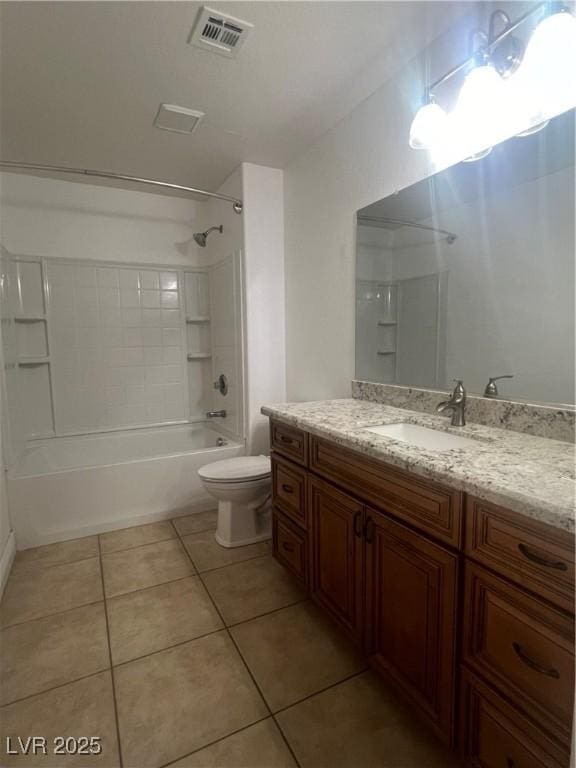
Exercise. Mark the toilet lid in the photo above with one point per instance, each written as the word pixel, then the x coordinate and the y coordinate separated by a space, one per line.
pixel 240 468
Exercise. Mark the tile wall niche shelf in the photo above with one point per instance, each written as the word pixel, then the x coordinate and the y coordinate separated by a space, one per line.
pixel 28 361
pixel 386 352
pixel 198 319
pixel 191 356
pixel 386 323
pixel 30 318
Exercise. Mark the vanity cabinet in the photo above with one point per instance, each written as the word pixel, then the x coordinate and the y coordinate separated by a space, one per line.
pixel 466 608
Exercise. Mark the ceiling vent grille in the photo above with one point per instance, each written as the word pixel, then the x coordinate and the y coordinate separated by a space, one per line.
pixel 219 32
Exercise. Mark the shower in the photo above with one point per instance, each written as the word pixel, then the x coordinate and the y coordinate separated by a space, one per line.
pixel 200 237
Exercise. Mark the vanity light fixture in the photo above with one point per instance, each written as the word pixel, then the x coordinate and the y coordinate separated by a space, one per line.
pixel 507 91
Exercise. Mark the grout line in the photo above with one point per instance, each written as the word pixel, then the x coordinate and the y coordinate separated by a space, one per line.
pixel 137 546
pixel 55 687
pixel 265 613
pixel 50 615
pixel 110 659
pixel 228 565
pixel 169 647
pixel 321 690
pixel 216 741
pixel 249 671
pixel 31 565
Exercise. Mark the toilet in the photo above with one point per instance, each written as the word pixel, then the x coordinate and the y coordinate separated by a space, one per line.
pixel 243 488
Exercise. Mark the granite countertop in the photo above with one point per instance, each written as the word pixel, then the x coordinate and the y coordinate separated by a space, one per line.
pixel 534 476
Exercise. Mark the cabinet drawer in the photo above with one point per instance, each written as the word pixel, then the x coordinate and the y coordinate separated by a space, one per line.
pixel 424 504
pixel 532 554
pixel 290 546
pixel 495 735
pixel 290 442
pixel 289 490
pixel 523 646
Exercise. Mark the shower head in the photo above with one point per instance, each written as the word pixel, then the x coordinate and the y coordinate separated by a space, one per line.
pixel 201 237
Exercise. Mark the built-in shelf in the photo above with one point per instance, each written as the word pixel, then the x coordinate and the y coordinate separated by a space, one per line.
pixel 198 319
pixel 388 352
pixel 26 361
pixel 386 322
pixel 29 318
pixel 198 355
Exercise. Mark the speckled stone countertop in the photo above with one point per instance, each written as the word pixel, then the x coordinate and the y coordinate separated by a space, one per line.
pixel 534 476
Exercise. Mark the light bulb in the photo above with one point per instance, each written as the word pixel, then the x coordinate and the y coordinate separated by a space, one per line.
pixel 481 117
pixel 428 127
pixel 547 73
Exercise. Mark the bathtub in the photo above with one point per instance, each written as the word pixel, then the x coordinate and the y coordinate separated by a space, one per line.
pixel 68 487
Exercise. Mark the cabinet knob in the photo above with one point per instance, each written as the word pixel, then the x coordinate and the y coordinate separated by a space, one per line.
pixel 287 488
pixel 369 530
pixel 287 547
pixel 287 440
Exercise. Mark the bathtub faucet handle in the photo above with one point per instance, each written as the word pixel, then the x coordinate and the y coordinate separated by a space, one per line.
pixel 216 414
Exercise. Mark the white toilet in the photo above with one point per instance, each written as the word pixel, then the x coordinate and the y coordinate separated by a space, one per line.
pixel 243 488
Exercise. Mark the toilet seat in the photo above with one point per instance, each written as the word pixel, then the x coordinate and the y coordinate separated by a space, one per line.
pixel 239 469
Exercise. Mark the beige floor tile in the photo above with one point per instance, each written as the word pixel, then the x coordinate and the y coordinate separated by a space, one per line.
pixel 82 708
pixel 181 699
pixel 294 653
pixel 259 746
pixel 127 538
pixel 144 567
pixel 208 554
pixel 35 592
pixel 62 552
pixel 156 618
pixel 360 722
pixel 245 590
pixel 202 521
pixel 44 653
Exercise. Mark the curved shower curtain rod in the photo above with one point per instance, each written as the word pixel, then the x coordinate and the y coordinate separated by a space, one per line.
pixel 450 236
pixel 238 205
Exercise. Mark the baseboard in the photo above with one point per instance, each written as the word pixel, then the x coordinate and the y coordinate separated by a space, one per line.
pixel 25 541
pixel 6 560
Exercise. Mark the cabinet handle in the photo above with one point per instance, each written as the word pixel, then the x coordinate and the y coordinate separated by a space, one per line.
pixel 525 659
pixel 510 763
pixel 287 547
pixel 284 439
pixel 529 554
pixel 358 524
pixel 287 488
pixel 369 530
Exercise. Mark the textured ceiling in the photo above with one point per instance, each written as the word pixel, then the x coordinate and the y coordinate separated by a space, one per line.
pixel 81 81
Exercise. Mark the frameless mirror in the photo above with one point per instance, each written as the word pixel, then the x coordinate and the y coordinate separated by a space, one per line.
pixel 469 274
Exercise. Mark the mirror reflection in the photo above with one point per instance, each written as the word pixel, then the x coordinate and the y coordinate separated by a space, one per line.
pixel 469 274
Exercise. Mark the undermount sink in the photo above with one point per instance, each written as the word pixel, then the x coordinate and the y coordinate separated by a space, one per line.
pixel 422 437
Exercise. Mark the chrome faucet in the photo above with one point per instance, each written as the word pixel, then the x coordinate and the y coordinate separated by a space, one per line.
pixel 456 404
pixel 491 388
pixel 216 414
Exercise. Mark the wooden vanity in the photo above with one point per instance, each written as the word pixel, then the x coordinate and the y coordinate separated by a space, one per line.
pixel 466 608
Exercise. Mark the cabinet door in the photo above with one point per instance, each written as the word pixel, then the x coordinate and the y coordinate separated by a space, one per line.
pixel 411 614
pixel 336 551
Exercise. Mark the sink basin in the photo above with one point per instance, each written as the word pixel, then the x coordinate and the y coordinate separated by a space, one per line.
pixel 422 437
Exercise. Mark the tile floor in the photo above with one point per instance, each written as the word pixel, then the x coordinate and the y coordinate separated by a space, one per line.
pixel 175 651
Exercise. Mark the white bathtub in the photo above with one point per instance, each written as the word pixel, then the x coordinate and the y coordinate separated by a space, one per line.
pixel 67 487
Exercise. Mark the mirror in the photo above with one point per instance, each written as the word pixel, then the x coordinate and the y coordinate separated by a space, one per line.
pixel 469 274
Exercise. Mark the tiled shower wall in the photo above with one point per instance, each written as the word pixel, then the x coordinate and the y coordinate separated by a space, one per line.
pixel 117 346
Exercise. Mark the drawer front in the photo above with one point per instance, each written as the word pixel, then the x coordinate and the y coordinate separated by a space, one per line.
pixel 290 547
pixel 289 442
pixel 534 555
pixel 289 490
pixel 521 645
pixel 495 735
pixel 426 505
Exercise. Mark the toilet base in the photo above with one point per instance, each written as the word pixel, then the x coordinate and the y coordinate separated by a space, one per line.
pixel 242 524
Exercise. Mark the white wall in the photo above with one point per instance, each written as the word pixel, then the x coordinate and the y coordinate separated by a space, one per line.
pixel 7 539
pixel 265 297
pixel 362 159
pixel 53 218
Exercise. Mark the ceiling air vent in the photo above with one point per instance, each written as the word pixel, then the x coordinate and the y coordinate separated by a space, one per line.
pixel 171 117
pixel 218 32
